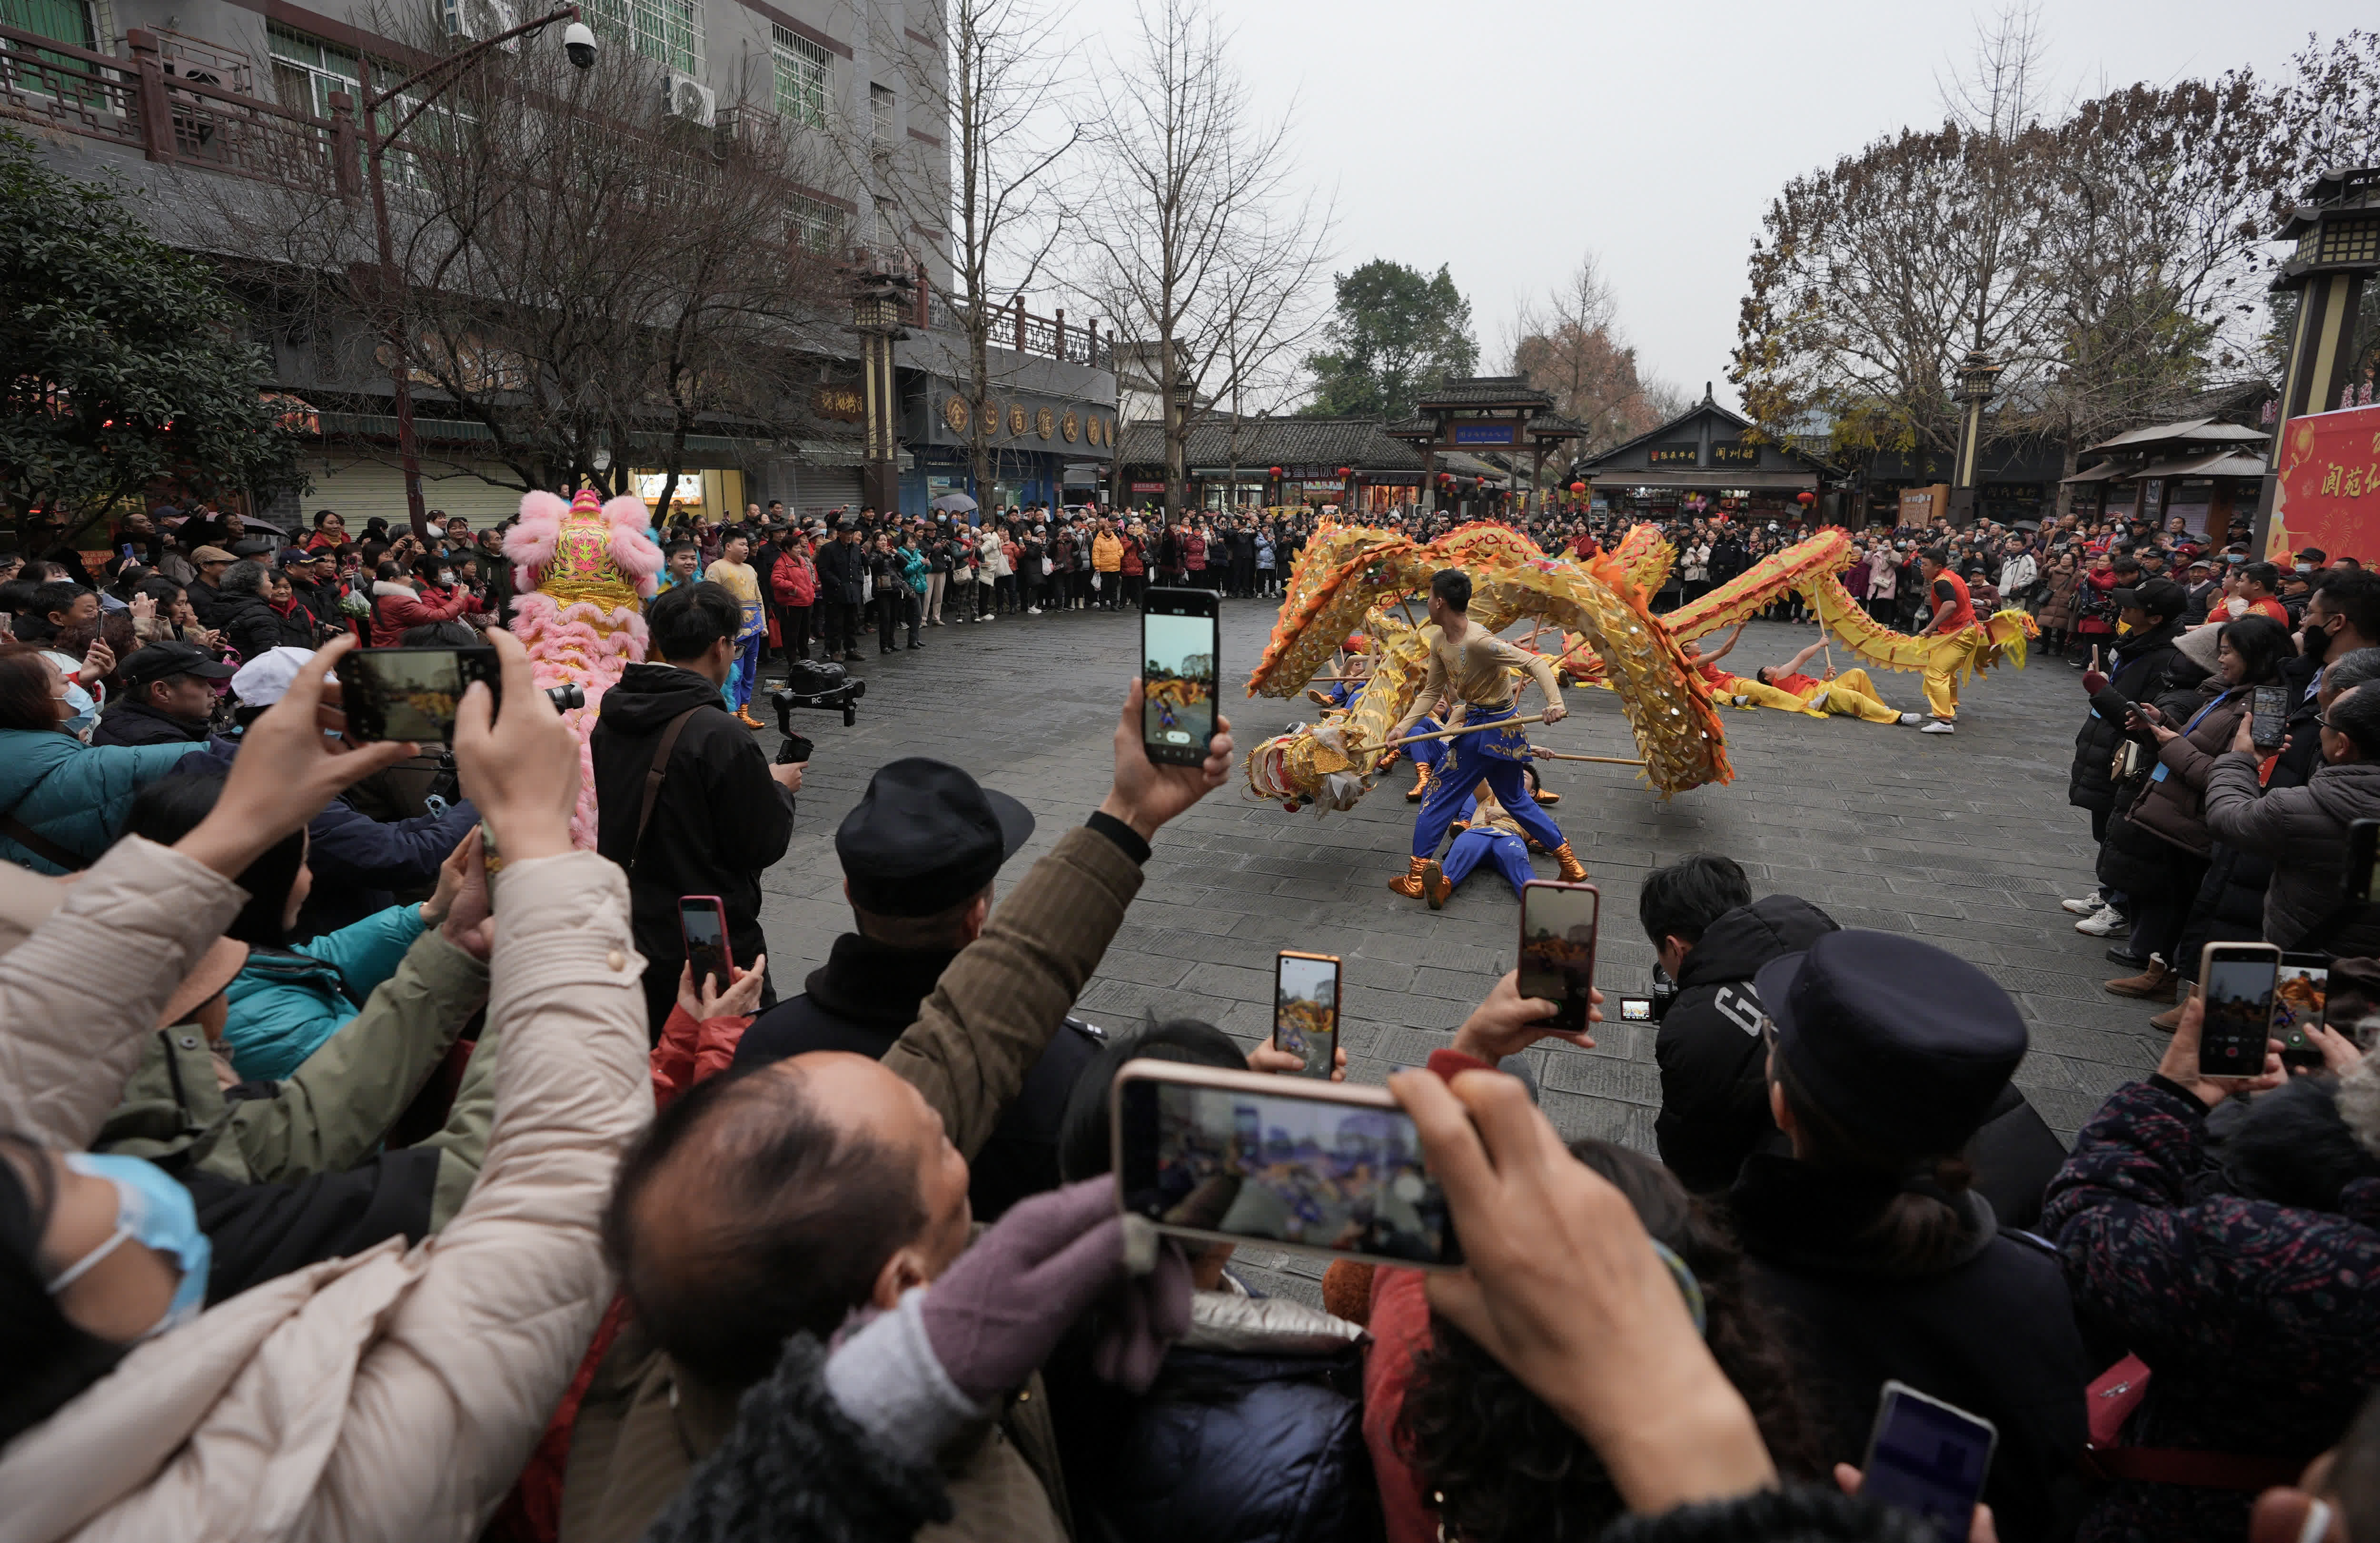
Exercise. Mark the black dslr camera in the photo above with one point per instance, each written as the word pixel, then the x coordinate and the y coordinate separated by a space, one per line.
pixel 826 687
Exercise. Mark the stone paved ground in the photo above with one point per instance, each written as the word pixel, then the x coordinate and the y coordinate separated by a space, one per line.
pixel 1964 840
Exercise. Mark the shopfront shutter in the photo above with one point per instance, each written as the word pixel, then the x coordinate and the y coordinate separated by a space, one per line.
pixel 368 490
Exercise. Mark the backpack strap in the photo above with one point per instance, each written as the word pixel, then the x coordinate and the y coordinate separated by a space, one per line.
pixel 654 775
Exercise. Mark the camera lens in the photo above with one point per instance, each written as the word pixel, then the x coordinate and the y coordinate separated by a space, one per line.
pixel 566 696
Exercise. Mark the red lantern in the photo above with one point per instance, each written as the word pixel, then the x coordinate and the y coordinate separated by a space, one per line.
pixel 1806 498
pixel 1346 472
pixel 1578 487
pixel 1276 473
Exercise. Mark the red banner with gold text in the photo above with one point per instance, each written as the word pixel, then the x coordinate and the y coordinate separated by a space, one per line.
pixel 2329 489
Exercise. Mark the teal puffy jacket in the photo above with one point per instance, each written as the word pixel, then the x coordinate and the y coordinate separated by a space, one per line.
pixel 288 1001
pixel 75 795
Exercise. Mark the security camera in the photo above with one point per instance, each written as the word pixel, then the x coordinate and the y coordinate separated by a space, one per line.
pixel 578 42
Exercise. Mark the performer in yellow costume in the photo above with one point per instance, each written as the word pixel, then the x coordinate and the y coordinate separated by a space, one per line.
pixel 1470 665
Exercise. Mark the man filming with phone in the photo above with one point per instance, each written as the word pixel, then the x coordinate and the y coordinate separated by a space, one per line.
pixel 686 801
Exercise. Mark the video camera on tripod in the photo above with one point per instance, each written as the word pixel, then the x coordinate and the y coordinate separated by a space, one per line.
pixel 826 687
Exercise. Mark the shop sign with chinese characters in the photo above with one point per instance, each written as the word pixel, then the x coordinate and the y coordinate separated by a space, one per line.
pixel 2328 495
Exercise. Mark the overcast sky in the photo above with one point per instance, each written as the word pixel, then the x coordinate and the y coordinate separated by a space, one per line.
pixel 1504 139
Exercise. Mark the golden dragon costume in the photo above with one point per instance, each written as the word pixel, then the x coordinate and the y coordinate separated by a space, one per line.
pixel 1356 577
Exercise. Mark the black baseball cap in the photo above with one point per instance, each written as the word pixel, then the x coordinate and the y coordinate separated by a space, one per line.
pixel 925 836
pixel 1904 1045
pixel 2158 597
pixel 156 661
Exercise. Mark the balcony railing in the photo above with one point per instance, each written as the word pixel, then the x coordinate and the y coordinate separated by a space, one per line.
pixel 134 101
pixel 1015 328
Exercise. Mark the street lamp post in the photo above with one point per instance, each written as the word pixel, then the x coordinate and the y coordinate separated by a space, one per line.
pixel 1976 374
pixel 579 42
pixel 881 304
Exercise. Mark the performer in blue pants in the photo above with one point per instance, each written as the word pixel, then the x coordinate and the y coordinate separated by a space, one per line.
pixel 1490 835
pixel 1472 667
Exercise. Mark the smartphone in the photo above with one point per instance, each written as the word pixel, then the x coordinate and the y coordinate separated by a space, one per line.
pixel 2270 705
pixel 1636 1010
pixel 2239 981
pixel 410 693
pixel 1181 648
pixel 2362 843
pixel 1929 1458
pixel 2300 994
pixel 1328 1168
pixel 125 552
pixel 1557 924
pixel 702 922
pixel 1305 1010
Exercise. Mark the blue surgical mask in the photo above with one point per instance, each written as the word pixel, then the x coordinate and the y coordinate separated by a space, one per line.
pixel 154 1211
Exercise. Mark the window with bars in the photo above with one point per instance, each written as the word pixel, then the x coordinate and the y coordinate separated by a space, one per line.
pixel 667 31
pixel 813 224
pixel 804 77
pixel 880 102
pixel 306 71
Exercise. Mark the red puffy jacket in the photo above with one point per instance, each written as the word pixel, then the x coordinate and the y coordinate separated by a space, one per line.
pixel 396 606
pixel 793 579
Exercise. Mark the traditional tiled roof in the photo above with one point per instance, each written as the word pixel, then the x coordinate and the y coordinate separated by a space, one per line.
pixel 1486 391
pixel 1263 442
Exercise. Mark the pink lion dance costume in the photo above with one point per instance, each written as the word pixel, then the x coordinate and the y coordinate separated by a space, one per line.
pixel 582 570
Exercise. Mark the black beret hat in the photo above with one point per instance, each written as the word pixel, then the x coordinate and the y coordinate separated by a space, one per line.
pixel 925 836
pixel 1904 1045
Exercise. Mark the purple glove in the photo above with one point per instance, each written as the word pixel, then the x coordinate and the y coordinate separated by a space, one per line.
pixel 995 1315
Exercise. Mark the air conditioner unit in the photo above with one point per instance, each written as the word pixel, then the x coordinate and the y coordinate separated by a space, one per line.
pixel 688 98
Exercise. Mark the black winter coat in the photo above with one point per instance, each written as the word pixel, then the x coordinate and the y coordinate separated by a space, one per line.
pixel 127 721
pixel 840 566
pixel 2144 672
pixel 248 624
pixel 862 997
pixel 1253 1447
pixel 1994 1332
pixel 720 820
pixel 1714 1066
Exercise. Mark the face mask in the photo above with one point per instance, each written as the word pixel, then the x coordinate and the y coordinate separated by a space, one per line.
pixel 154 1211
pixel 2317 641
pixel 445 577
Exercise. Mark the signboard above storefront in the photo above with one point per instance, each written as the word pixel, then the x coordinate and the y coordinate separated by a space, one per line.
pixel 842 404
pixel 1673 455
pixel 2328 494
pixel 1485 434
pixel 1736 454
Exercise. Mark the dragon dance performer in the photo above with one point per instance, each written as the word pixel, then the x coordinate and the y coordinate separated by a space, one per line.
pixel 733 574
pixel 1469 665
pixel 1953 613
pixel 1486 834
pixel 1847 695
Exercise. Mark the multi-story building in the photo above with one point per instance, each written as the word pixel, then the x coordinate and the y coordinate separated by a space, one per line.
pixel 172 93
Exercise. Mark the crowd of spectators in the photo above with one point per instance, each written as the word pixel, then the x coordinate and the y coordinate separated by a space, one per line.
pixel 405 1181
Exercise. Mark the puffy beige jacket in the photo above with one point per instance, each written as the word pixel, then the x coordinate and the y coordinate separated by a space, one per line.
pixel 393 1395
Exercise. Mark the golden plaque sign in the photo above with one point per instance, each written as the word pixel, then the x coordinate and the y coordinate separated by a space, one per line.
pixel 1070 427
pixel 1016 419
pixel 955 413
pixel 1046 423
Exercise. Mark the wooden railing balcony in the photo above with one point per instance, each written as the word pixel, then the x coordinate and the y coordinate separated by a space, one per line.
pixel 136 100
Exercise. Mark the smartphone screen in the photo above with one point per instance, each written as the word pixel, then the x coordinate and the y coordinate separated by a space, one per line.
pixel 410 693
pixel 1305 1010
pixel 2271 706
pixel 2300 995
pixel 2240 980
pixel 1324 1168
pixel 702 921
pixel 1929 1458
pixel 1557 924
pixel 1179 640
pixel 1636 1010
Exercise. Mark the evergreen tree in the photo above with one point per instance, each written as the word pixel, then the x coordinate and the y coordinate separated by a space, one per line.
pixel 1394 333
